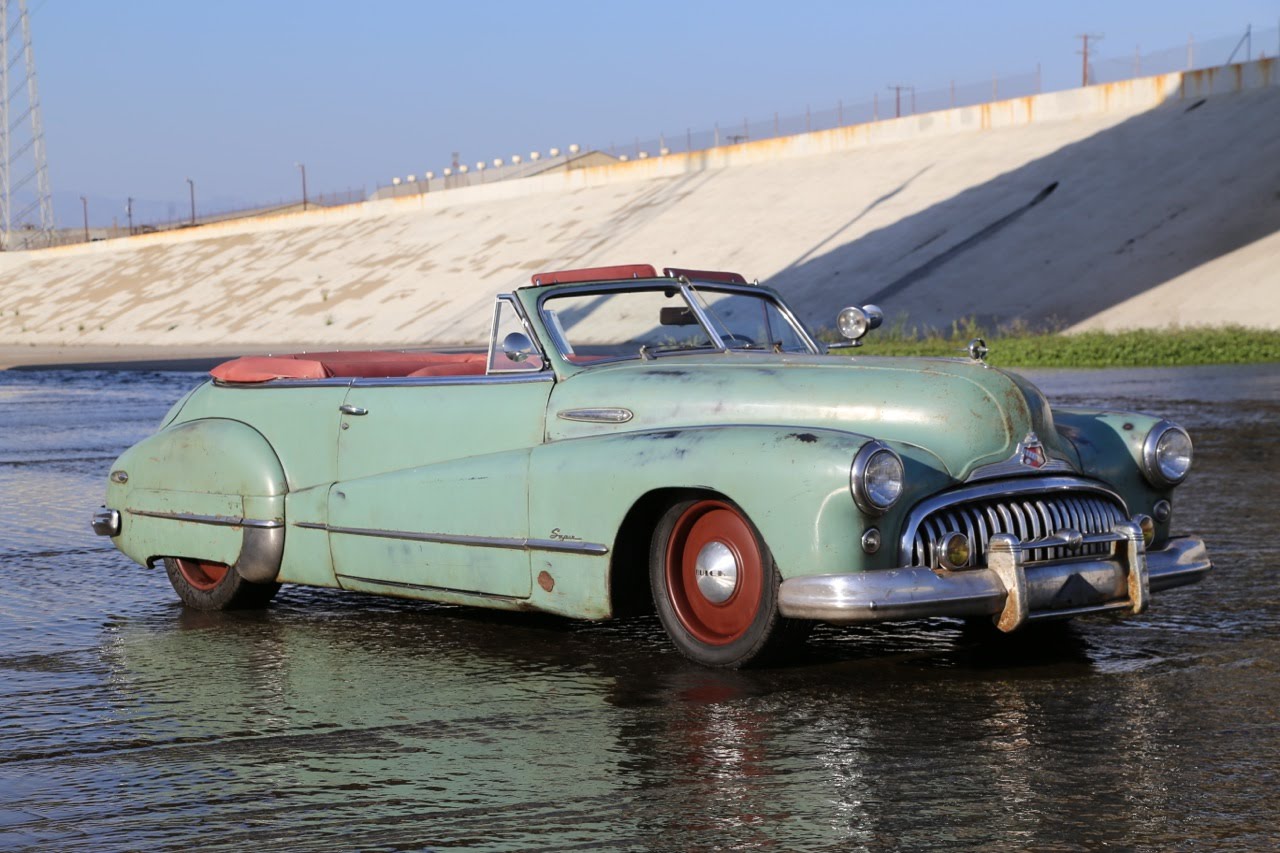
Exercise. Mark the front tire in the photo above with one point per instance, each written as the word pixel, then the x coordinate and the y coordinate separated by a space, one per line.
pixel 715 585
pixel 214 586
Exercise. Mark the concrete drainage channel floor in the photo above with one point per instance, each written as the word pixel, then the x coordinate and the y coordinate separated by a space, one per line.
pixel 341 721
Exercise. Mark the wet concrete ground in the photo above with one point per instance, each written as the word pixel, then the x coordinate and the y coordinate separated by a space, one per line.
pixel 341 721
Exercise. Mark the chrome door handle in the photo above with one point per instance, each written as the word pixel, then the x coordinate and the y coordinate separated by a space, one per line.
pixel 348 409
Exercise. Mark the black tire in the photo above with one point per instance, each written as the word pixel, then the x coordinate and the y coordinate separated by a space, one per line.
pixel 214 586
pixel 739 630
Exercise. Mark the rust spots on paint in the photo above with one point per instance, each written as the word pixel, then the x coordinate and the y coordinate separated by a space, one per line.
pixel 545 581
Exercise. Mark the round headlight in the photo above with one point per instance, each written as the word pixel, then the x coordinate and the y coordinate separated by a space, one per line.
pixel 1166 454
pixel 876 478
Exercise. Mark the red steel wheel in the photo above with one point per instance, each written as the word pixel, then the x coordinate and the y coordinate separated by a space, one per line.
pixel 202 575
pixel 206 585
pixel 715 585
pixel 714 572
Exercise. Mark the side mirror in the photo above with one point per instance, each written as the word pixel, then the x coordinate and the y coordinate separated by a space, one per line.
pixel 517 346
pixel 854 323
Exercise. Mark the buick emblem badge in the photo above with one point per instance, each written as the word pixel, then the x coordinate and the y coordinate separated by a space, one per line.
pixel 1032 452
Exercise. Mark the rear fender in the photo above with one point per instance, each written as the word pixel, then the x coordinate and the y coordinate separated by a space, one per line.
pixel 209 489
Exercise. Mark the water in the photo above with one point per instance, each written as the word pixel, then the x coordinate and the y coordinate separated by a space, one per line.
pixel 342 721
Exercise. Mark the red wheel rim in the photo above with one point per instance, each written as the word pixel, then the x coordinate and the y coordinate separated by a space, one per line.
pixel 716 624
pixel 201 575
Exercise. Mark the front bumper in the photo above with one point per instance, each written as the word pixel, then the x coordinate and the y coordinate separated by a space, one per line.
pixel 1012 592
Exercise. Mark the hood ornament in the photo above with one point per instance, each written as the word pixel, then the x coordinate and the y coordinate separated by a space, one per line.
pixel 1032 453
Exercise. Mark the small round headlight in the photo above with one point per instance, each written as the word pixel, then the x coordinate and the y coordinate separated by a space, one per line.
pixel 1166 454
pixel 876 478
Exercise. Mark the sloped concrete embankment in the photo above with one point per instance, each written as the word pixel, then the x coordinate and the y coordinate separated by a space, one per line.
pixel 1142 203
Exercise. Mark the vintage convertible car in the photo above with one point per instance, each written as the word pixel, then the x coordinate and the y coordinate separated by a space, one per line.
pixel 677 439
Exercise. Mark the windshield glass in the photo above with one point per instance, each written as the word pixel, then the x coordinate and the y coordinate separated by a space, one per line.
pixel 745 321
pixel 618 323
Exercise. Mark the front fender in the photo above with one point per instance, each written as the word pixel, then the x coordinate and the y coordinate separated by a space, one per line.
pixel 792 482
pixel 1110 448
pixel 211 489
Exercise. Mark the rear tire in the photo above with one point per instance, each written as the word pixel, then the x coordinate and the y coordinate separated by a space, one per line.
pixel 715 586
pixel 214 586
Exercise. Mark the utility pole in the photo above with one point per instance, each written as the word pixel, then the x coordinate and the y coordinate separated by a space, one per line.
pixel 1084 52
pixel 303 167
pixel 128 209
pixel 897 98
pixel 192 184
pixel 84 201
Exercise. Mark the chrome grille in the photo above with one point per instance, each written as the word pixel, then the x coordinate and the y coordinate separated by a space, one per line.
pixel 1026 516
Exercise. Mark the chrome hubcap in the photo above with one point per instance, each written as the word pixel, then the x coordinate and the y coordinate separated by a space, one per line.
pixel 717 572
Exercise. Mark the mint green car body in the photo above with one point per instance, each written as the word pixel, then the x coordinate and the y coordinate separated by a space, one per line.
pixel 511 490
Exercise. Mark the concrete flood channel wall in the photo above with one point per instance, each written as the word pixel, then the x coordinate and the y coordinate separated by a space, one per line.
pixel 1141 203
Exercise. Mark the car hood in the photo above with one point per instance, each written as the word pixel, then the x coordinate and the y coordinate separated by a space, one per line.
pixel 964 413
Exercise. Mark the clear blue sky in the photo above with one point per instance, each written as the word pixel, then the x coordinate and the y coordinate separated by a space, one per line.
pixel 140 94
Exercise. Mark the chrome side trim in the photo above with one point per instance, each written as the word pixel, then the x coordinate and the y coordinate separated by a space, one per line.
pixel 332 382
pixel 600 415
pixel 392 381
pixel 995 489
pixel 217 520
pixel 489 379
pixel 555 545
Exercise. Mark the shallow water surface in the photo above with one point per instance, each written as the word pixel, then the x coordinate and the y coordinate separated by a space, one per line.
pixel 341 721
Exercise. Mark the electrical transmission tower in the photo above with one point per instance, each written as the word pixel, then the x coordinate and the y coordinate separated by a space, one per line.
pixel 26 203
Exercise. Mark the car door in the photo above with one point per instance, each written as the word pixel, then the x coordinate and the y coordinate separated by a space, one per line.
pixel 432 493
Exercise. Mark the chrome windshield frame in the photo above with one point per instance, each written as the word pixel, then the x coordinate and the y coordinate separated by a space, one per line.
pixel 688 291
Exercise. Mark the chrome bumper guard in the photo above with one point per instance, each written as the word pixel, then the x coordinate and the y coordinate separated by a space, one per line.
pixel 106 522
pixel 1008 590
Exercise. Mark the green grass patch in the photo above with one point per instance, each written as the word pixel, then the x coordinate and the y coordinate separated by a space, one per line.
pixel 1019 346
